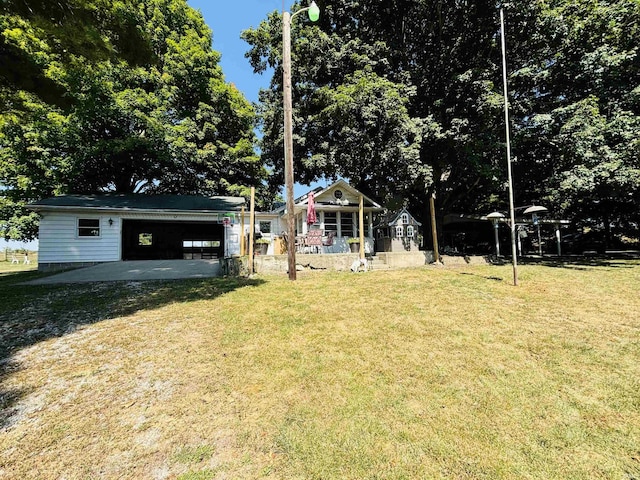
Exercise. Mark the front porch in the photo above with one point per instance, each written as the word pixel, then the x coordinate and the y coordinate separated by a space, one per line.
pixel 326 221
pixel 323 245
pixel 332 262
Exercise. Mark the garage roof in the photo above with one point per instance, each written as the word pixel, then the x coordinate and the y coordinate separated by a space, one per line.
pixel 182 203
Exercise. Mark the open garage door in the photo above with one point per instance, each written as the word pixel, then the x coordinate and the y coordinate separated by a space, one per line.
pixel 157 240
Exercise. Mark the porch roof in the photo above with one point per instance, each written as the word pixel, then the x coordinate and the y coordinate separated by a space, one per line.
pixel 138 202
pixel 324 199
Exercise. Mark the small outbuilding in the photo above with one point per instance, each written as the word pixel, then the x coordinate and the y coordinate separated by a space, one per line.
pixel 80 230
pixel 398 231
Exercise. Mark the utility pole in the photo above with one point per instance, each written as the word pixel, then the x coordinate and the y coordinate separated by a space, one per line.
pixel 434 232
pixel 314 13
pixel 512 216
pixel 288 143
pixel 252 221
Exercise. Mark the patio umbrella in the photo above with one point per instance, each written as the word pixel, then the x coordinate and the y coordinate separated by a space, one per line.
pixel 311 210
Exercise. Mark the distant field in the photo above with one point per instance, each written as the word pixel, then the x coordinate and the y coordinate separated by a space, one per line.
pixel 408 374
pixel 8 267
pixel 6 257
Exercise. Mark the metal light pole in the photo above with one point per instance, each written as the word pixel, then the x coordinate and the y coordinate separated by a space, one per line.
pixel 314 13
pixel 512 215
pixel 496 218
pixel 534 210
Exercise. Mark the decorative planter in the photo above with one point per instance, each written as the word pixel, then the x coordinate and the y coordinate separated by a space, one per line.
pixel 355 247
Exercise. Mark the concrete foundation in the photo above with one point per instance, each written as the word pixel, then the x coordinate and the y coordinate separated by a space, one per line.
pixel 406 259
pixel 280 264
pixel 53 267
pixel 332 262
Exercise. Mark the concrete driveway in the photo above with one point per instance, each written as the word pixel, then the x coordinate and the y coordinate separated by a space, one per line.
pixel 135 270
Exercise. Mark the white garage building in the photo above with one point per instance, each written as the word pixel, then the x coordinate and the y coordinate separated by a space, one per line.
pixel 80 230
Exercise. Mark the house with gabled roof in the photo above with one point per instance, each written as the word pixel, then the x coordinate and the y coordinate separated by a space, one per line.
pixel 337 209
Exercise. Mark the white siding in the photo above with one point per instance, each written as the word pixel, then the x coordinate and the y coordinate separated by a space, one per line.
pixel 234 234
pixel 232 239
pixel 59 241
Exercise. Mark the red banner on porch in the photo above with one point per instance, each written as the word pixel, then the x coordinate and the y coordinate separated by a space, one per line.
pixel 311 210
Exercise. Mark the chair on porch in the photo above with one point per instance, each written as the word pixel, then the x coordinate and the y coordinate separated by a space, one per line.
pixel 313 241
pixel 329 241
pixel 301 242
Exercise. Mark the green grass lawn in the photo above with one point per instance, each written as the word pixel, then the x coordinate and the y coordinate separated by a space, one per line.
pixel 408 374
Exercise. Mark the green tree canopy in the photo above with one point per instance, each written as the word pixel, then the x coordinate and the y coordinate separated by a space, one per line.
pixel 403 97
pixel 395 83
pixel 140 104
pixel 582 140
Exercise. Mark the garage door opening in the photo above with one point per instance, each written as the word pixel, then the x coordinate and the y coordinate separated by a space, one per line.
pixel 156 240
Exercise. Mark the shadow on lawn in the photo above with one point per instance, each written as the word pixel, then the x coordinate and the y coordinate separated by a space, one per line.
pixel 499 279
pixel 585 262
pixel 575 262
pixel 29 315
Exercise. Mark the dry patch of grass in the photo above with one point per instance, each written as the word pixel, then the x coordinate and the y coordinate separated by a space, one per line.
pixel 419 373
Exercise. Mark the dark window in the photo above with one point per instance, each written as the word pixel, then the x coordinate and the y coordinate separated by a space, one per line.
pixel 88 227
pixel 346 224
pixel 330 222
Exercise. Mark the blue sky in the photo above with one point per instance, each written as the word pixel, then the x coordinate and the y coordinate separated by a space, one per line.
pixel 227 19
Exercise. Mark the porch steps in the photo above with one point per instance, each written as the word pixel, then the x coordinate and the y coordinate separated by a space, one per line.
pixel 377 263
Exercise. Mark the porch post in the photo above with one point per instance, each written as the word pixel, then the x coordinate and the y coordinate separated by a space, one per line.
pixel 242 239
pixel 252 221
pixel 361 222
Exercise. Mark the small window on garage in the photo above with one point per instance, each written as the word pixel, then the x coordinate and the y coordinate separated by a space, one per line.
pixel 211 244
pixel 200 249
pixel 88 227
pixel 145 239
